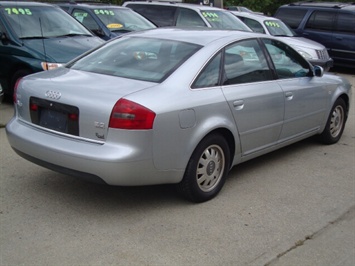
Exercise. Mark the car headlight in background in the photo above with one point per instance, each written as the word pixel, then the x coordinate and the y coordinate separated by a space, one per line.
pixel 305 54
pixel 50 66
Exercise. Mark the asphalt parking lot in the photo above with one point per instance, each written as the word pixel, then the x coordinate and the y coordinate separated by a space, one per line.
pixel 295 206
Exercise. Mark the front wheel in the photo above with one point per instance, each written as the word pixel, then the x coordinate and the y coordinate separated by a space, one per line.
pixel 207 169
pixel 335 123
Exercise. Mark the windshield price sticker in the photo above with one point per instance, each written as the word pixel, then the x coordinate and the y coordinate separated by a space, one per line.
pixel 209 15
pixel 114 26
pixel 104 12
pixel 18 11
pixel 272 24
pixel 80 14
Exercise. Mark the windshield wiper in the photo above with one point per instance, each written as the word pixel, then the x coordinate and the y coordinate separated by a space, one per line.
pixel 283 35
pixel 73 35
pixel 33 37
pixel 122 30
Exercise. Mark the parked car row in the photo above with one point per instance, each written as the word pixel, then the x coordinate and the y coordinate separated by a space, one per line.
pixel 38 36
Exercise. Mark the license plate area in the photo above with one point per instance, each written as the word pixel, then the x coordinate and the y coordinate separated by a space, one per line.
pixel 55 116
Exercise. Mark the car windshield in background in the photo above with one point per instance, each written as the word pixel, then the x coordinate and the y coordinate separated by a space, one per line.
pixel 42 22
pixel 278 28
pixel 223 20
pixel 137 58
pixel 118 19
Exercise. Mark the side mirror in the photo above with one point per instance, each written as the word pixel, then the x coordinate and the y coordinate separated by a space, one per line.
pixel 98 32
pixel 318 71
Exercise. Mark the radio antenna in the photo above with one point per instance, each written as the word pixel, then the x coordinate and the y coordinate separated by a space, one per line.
pixel 43 44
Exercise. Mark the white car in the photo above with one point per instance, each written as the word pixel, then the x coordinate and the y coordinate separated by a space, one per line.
pixel 314 52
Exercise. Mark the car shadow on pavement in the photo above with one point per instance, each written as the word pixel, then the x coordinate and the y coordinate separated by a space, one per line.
pixel 72 191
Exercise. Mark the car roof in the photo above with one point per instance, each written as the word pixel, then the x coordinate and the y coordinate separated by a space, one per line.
pixel 22 3
pixel 198 35
pixel 326 5
pixel 89 5
pixel 178 4
pixel 256 17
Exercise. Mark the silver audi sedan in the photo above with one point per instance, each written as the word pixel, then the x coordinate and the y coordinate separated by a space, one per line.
pixel 174 106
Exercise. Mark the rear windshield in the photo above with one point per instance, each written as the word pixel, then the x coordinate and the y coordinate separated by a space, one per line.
pixel 137 58
pixel 223 20
pixel 41 22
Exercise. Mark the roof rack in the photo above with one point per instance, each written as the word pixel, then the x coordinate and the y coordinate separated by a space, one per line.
pixel 322 4
pixel 164 1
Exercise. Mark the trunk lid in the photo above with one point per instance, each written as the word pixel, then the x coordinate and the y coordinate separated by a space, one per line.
pixel 73 102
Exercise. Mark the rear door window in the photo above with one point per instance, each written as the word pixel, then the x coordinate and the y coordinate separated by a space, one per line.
pixel 292 17
pixel 244 62
pixel 253 24
pixel 86 19
pixel 345 23
pixel 189 18
pixel 162 16
pixel 321 20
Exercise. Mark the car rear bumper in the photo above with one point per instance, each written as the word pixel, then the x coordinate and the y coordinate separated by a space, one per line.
pixel 110 163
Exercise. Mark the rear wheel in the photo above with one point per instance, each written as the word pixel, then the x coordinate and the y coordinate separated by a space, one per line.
pixel 207 169
pixel 335 124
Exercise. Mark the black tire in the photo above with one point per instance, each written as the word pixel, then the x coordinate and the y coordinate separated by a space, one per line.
pixel 206 170
pixel 335 123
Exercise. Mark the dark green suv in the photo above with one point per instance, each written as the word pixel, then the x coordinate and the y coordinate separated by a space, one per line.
pixel 37 36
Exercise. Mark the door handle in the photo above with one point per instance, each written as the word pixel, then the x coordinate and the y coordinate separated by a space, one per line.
pixel 238 104
pixel 289 96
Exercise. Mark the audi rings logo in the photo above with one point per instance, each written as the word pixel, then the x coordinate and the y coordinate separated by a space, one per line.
pixel 55 95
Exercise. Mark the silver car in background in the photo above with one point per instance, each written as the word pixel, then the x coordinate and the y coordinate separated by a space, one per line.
pixel 314 52
pixel 173 106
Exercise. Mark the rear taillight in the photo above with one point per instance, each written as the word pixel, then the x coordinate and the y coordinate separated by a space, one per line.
pixel 15 90
pixel 130 115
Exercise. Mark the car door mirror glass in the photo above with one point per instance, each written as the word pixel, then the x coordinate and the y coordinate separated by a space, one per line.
pixel 318 71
